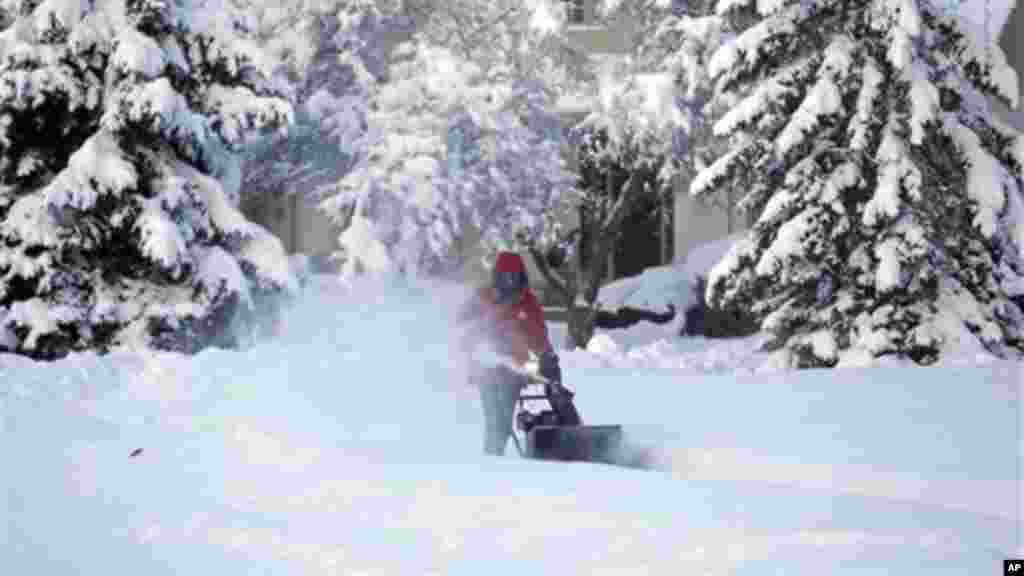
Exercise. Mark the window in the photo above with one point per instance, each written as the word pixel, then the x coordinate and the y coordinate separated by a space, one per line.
pixel 574 11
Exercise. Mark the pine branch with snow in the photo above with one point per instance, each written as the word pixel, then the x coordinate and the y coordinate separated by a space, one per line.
pixel 120 124
pixel 887 194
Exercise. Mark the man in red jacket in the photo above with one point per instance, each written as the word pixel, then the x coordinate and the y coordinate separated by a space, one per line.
pixel 506 313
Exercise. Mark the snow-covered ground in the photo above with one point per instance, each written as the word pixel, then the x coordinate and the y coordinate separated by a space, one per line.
pixel 351 446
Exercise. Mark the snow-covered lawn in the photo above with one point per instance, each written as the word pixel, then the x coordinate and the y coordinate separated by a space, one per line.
pixel 351 446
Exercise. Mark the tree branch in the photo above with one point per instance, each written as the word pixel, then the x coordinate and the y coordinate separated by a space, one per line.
pixel 606 233
pixel 548 273
pixel 622 207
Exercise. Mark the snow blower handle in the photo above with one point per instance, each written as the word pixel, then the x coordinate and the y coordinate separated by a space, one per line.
pixel 486 356
pixel 548 366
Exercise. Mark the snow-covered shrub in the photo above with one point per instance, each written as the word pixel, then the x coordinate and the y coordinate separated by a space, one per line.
pixel 119 124
pixel 655 295
pixel 659 289
pixel 888 195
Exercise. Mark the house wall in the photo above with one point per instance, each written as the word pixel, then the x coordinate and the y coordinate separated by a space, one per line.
pixel 314 232
pixel 296 221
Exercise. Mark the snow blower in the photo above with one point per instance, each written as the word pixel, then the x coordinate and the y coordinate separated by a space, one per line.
pixel 548 438
pixel 544 436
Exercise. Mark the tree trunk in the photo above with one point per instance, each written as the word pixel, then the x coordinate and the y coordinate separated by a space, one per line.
pixel 586 277
pixel 580 282
pixel 581 326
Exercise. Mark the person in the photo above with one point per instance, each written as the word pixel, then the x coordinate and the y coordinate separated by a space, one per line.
pixel 507 314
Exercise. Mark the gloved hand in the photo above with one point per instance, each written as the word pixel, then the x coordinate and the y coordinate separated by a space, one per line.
pixel 549 368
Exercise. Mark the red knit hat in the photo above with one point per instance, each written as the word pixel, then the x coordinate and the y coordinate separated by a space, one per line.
pixel 509 277
pixel 509 262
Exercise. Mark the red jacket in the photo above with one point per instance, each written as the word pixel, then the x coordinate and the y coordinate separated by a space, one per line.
pixel 514 329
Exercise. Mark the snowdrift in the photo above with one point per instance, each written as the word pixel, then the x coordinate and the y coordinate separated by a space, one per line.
pixel 351 446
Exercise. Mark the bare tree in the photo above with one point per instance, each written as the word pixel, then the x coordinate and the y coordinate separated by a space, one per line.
pixel 648 126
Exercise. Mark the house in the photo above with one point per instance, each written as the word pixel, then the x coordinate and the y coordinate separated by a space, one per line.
pixel 688 224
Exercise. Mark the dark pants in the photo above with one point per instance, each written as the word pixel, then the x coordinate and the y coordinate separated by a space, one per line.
pixel 499 392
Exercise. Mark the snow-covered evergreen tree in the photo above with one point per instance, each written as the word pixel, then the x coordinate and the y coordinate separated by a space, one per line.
pixel 463 134
pixel 887 194
pixel 120 122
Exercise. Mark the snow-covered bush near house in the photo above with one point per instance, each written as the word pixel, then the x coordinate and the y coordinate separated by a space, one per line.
pixel 880 178
pixel 663 289
pixel 120 121
pixel 351 446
